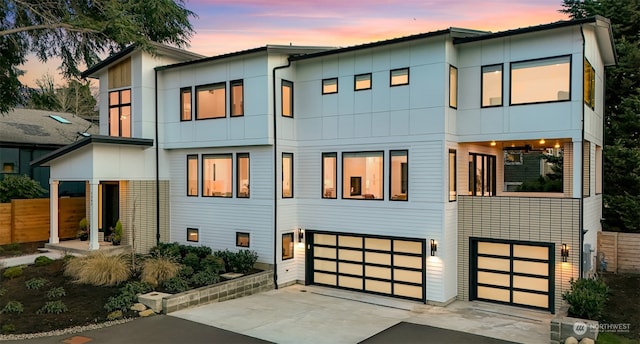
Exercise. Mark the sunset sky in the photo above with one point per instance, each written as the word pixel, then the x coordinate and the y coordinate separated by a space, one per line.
pixel 228 26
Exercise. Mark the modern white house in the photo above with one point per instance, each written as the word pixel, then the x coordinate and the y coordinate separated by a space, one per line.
pixel 454 164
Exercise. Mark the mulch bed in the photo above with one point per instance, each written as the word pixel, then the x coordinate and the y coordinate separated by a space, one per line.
pixel 623 301
pixel 19 249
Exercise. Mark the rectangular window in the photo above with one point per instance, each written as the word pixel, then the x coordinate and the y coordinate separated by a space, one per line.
pixel 192 175
pixel 586 169
pixel 399 77
pixel 399 175
pixel 329 175
pixel 598 170
pixel 287 98
pixel 453 193
pixel 242 239
pixel 242 169
pixel 185 104
pixel 211 101
pixel 120 113
pixel 539 81
pixel 482 175
pixel 362 175
pixel 453 87
pixel 217 175
pixel 492 84
pixel 287 246
pixel 589 85
pixel 330 86
pixel 287 175
pixel 192 234
pixel 362 82
pixel 533 170
pixel 237 98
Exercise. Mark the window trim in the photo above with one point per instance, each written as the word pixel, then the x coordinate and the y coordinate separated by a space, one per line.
pixel 501 85
pixel 204 156
pixel 197 158
pixel 282 256
pixel 586 169
pixel 238 186
pixel 289 84
pixel 335 174
pixel 455 176
pixel 391 84
pixel 592 84
pixel 191 231
pixel 233 83
pixel 355 82
pixel 381 152
pixel 493 176
pixel 238 235
pixel 213 85
pixel 290 155
pixel 328 79
pixel 184 90
pixel 406 151
pixel 119 106
pixel 453 95
pixel 541 59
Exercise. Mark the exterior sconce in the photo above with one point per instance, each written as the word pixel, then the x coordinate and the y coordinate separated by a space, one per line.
pixel 434 247
pixel 564 252
pixel 300 235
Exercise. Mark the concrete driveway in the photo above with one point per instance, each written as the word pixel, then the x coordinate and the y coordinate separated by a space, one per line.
pixel 311 314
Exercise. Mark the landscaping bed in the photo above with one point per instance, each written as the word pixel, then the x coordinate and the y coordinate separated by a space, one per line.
pixel 622 303
pixel 20 249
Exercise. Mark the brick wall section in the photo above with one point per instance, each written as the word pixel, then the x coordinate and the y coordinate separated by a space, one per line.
pixel 138 213
pixel 548 220
pixel 243 286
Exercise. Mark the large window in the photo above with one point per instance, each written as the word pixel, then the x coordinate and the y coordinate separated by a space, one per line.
pixel 192 175
pixel 287 246
pixel 362 82
pixel 399 77
pixel 287 98
pixel 482 175
pixel 492 85
pixel 362 175
pixel 185 104
pixel 399 175
pixel 586 169
pixel 211 101
pixel 453 87
pixel 452 175
pixel 533 170
pixel 330 86
pixel 242 168
pixel 287 175
pixel 237 98
pixel 329 175
pixel 217 175
pixel 543 80
pixel 589 85
pixel 120 113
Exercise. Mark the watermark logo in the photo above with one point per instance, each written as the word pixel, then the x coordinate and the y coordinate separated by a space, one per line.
pixel 580 328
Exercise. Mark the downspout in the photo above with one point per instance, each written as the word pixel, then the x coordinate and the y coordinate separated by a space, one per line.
pixel 157 160
pixel 581 207
pixel 275 175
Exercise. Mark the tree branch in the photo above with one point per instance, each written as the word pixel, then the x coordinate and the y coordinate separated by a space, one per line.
pixel 53 26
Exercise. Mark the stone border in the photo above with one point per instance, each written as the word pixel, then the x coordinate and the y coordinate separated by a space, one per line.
pixel 242 286
pixel 563 327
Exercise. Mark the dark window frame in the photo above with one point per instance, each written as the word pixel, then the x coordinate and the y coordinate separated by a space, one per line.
pixel 329 79
pixel 381 152
pixel 239 235
pixel 283 257
pixel 482 72
pixel 189 158
pixel 355 82
pixel 184 90
pixel 335 174
pixel 453 95
pixel 214 86
pixel 472 185
pixel 290 156
pixel 286 83
pixel 195 231
pixel 406 154
pixel 232 83
pixel 453 183
pixel 586 169
pixel 541 59
pixel 120 105
pixel 202 182
pixel 238 180
pixel 590 73
pixel 391 84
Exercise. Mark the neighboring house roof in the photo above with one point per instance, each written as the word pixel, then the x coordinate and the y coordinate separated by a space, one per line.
pixel 37 127
pixel 93 139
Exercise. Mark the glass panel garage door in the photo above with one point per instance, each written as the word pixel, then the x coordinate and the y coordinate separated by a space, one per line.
pixel 379 265
pixel 515 273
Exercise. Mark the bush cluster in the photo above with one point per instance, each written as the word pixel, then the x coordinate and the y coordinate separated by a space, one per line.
pixel 241 262
pixel 13 272
pixel 586 298
pixel 36 283
pixel 13 307
pixel 42 261
pixel 53 307
pixel 127 297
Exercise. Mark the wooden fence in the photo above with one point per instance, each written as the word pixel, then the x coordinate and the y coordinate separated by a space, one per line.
pixel 621 251
pixel 27 220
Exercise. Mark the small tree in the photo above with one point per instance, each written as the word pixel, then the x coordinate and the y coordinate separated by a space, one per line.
pixel 19 187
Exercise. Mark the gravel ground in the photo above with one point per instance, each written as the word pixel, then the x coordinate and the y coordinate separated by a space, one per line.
pixel 70 330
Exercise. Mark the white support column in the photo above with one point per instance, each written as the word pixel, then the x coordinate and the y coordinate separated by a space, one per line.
pixel 53 211
pixel 93 216
pixel 577 169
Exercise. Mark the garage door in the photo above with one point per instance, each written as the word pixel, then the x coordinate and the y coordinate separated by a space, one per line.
pixel 380 265
pixel 514 273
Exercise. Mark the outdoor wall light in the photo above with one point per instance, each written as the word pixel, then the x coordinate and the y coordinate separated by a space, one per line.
pixel 300 235
pixel 564 252
pixel 434 247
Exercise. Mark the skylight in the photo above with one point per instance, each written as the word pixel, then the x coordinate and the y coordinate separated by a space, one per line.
pixel 59 119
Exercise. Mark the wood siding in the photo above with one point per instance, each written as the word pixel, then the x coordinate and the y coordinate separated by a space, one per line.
pixel 621 251
pixel 120 74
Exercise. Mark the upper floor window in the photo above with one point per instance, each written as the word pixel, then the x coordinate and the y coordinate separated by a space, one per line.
pixel 542 80
pixel 287 98
pixel 399 77
pixel 589 85
pixel 329 175
pixel 453 87
pixel 362 82
pixel 330 86
pixel 192 175
pixel 211 101
pixel 242 169
pixel 533 170
pixel 482 174
pixel 217 176
pixel 185 104
pixel 492 85
pixel 120 113
pixel 363 175
pixel 452 175
pixel 287 175
pixel 237 98
pixel 399 175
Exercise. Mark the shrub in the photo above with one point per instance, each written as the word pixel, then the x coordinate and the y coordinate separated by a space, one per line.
pixel 157 270
pixel 227 257
pixel 99 269
pixel 586 298
pixel 192 260
pixel 136 288
pixel 56 293
pixel 203 278
pixel 19 187
pixel 166 250
pixel 120 302
pixel 199 251
pixel 36 283
pixel 185 272
pixel 13 272
pixel 13 307
pixel 8 328
pixel 43 260
pixel 115 315
pixel 175 285
pixel 53 307
pixel 245 259
pixel 213 264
